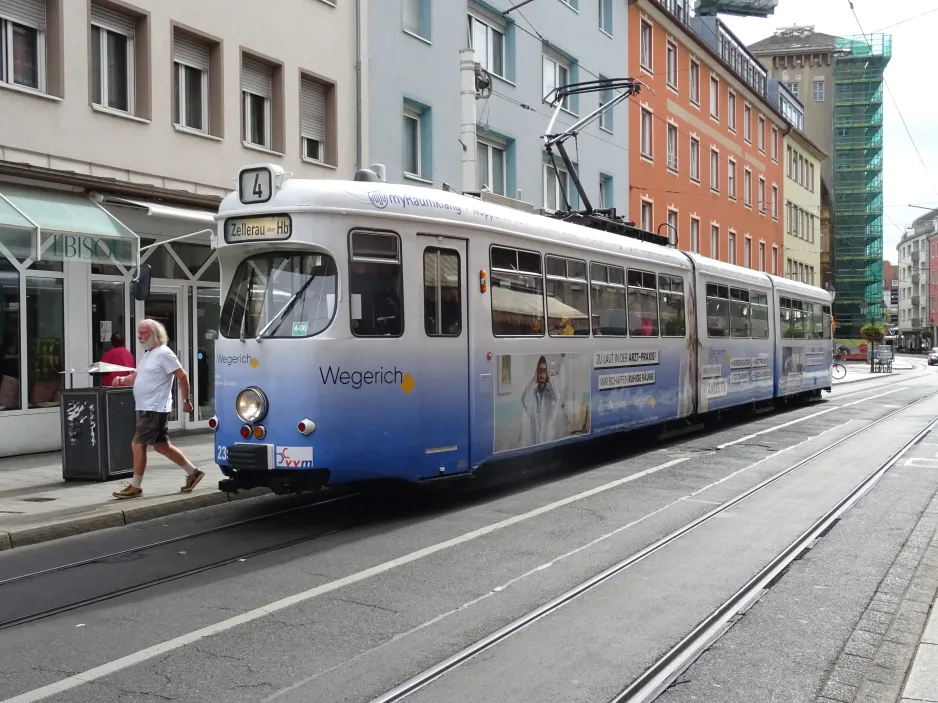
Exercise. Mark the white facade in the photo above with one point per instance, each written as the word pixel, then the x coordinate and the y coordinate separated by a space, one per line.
pixel 913 289
pixel 94 160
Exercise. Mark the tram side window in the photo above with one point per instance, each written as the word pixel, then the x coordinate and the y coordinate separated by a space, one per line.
pixel 671 305
pixel 827 321
pixel 517 293
pixel 739 312
pixel 718 310
pixel 759 321
pixel 568 310
pixel 607 296
pixel 817 321
pixel 442 303
pixel 376 285
pixel 643 304
pixel 797 319
pixel 784 318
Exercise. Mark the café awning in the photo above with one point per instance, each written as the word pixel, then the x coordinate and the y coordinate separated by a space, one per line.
pixel 184 214
pixel 66 226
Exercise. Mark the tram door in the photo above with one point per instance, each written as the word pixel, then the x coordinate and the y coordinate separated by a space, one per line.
pixel 443 371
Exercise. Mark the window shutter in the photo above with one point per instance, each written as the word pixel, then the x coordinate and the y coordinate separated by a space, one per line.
pixel 190 51
pixel 111 20
pixel 31 13
pixel 313 110
pixel 255 77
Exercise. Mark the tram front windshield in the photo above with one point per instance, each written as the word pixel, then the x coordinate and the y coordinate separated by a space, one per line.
pixel 282 294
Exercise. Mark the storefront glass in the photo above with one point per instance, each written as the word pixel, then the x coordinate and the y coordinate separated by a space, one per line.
pixel 45 332
pixel 10 353
pixel 107 315
pixel 208 307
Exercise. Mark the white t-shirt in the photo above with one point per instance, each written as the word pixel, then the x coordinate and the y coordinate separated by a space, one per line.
pixel 153 387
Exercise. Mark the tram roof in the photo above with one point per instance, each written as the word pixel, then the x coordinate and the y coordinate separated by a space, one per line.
pixel 440 207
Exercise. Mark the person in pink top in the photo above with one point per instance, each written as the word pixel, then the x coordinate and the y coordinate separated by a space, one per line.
pixel 118 354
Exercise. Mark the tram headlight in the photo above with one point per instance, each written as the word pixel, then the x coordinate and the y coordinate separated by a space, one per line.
pixel 251 404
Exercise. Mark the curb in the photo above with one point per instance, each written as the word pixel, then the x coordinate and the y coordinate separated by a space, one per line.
pixel 83 524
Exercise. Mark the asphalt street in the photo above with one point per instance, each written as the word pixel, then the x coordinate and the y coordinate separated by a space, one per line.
pixel 368 591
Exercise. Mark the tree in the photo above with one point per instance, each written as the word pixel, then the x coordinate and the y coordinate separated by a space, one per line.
pixel 873 332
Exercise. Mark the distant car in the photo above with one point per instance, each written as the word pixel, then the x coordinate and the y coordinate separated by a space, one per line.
pixel 933 356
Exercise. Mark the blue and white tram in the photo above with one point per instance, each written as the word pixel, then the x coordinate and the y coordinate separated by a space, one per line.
pixel 378 331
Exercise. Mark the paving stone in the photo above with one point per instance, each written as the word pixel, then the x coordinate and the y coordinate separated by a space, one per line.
pixel 910 621
pixel 877 692
pixel 839 692
pixel 850 670
pixel 894 656
pixel 901 637
pixel 867 624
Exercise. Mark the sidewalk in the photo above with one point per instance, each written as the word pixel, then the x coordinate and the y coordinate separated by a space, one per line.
pixel 922 684
pixel 860 370
pixel 36 505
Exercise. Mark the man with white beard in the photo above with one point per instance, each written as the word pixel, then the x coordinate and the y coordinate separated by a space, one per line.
pixel 153 399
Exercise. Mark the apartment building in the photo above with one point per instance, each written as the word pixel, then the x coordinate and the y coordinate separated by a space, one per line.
pixel 122 124
pixel 415 108
pixel 891 292
pixel 914 257
pixel 706 156
pixel 802 194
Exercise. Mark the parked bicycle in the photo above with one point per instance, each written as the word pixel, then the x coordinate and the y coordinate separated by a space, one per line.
pixel 838 370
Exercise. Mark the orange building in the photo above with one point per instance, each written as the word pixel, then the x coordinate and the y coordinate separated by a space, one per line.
pixel 705 143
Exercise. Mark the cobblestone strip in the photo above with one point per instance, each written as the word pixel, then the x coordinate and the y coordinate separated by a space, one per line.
pixel 874 663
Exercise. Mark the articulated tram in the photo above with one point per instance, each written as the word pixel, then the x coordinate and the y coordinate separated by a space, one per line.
pixel 380 331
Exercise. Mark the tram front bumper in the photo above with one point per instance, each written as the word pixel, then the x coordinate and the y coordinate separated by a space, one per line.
pixel 252 466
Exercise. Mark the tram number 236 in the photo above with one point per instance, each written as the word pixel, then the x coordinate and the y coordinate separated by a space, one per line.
pixel 222 454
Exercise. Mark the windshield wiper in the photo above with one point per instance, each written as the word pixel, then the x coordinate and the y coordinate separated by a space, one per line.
pixel 285 309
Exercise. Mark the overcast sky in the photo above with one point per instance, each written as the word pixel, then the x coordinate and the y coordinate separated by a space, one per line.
pixel 913 25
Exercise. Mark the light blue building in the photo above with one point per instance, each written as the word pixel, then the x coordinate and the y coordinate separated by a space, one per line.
pixel 412 94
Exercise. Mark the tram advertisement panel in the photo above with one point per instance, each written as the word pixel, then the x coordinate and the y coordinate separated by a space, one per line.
pixel 735 373
pixel 540 398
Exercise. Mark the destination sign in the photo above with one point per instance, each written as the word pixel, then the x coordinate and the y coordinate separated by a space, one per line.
pixel 255 229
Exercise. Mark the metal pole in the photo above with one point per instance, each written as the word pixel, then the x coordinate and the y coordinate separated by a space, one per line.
pixel 467 94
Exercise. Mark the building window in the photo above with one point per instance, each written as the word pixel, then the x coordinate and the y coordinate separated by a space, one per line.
pixel 488 42
pixel 695 82
pixel 672 221
pixel 556 188
pixel 788 159
pixel 714 241
pixel 747 124
pixel 605 97
pixel 818 90
pixel 22 44
pixel 762 134
pixel 645 57
pixel 731 247
pixel 672 147
pixel 747 187
pixel 762 256
pixel 556 75
pixel 313 119
pixel 747 252
pixel 714 98
pixel 714 171
pixel 648 222
pixel 491 167
pixel 672 65
pixel 762 205
pixel 606 199
pixel 731 179
pixel 793 88
pixel 774 144
pixel 811 177
pixel 413 148
pixel 646 127
pixel 774 260
pixel 605 16
pixel 256 88
pixel 112 59
pixel 695 159
pixel 190 82
pixel 416 18
pixel 694 235
pixel 731 110
pixel 774 202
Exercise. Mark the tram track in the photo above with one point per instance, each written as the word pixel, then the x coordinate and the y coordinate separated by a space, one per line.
pixel 659 676
pixel 177 574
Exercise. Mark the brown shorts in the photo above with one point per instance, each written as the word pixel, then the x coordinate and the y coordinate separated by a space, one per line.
pixel 151 427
